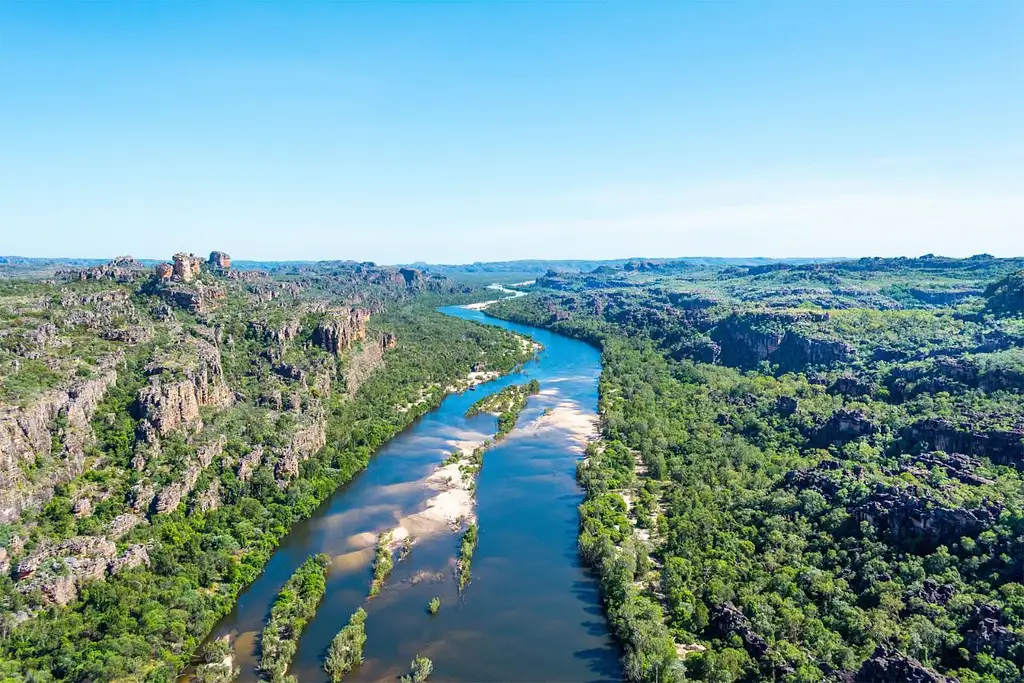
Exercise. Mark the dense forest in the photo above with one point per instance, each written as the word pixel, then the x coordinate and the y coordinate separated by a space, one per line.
pixel 807 472
pixel 162 430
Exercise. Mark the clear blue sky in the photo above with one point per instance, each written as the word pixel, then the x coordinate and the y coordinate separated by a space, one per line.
pixel 461 131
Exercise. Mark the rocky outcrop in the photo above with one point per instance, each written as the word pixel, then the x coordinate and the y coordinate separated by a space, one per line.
pixel 850 385
pixel 209 499
pixel 57 571
pixel 121 269
pixel 163 271
pixel 987 632
pixel 179 386
pixel 748 339
pixel 122 524
pixel 844 425
pixel 340 329
pixel 1001 446
pixel 194 298
pixel 914 520
pixel 890 666
pixel 249 462
pixel 186 267
pixel 936 593
pixel 219 260
pixel 27 433
pixel 134 556
pixel 727 620
pixel 956 465
pixel 363 363
pixel 171 496
pixel 135 334
pixel 306 441
pixel 277 333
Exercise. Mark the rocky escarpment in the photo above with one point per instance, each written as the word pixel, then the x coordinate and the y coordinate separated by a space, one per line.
pixel 886 665
pixel 29 434
pixel 58 571
pixel 844 425
pixel 179 385
pixel 339 329
pixel 171 496
pixel 120 269
pixel 1001 446
pixel 727 620
pixel 363 363
pixel 747 339
pixel 307 440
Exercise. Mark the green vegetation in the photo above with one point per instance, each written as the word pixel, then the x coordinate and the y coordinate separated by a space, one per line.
pixel 421 667
pixel 145 622
pixel 434 605
pixel 465 561
pixel 382 563
pixel 507 404
pixel 808 473
pixel 346 650
pixel 292 610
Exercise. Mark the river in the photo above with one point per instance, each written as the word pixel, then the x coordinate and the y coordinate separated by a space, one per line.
pixel 531 612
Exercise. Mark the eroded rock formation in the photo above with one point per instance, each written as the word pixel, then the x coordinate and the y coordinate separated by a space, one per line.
pixel 340 329
pixel 179 385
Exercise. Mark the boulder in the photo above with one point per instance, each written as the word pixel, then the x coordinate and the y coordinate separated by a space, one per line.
pixel 219 260
pixel 886 665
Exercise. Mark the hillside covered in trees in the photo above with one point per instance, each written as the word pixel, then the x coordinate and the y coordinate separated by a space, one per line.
pixel 162 428
pixel 809 472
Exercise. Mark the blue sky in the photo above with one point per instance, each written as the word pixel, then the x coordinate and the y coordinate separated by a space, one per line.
pixel 462 131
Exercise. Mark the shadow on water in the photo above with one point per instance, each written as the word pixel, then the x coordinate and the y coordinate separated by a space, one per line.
pixel 532 611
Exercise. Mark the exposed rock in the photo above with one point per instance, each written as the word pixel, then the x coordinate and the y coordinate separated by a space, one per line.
pixel 121 269
pixel 727 619
pixel 937 593
pixel 57 571
pixel 5 561
pixel 83 508
pixel 986 632
pixel 26 433
pixel 363 363
pixel 219 260
pixel 340 329
pixel 786 405
pixel 134 556
pixel 1003 447
pixel 912 519
pixel 186 267
pixel 955 465
pixel 844 425
pixel 194 298
pixel 142 496
pixel 249 462
pixel 747 339
pixel 890 666
pixel 279 333
pixel 179 386
pixel 122 524
pixel 135 334
pixel 306 441
pixel 171 496
pixel 163 271
pixel 849 385
pixel 209 499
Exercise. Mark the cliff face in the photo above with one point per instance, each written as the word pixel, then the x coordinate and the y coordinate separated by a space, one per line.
pixel 340 329
pixel 178 387
pixel 306 441
pixel 30 432
pixel 748 339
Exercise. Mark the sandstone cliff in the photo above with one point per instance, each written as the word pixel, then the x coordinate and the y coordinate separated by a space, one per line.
pixel 179 384
pixel 340 329
pixel 61 417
